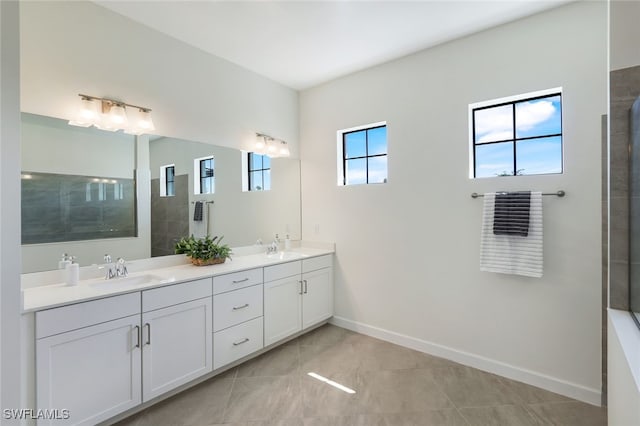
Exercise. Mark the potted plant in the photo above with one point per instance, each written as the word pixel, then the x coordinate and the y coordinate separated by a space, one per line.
pixel 204 251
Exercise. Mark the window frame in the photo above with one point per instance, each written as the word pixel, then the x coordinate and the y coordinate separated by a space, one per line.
pixel 172 181
pixel 199 178
pixel 513 101
pixel 261 170
pixel 342 157
pixel 163 180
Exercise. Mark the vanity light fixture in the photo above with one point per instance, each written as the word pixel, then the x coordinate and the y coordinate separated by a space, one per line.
pixel 270 146
pixel 112 115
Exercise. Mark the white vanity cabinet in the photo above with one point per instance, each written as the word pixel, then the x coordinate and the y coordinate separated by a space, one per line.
pixel 175 336
pixel 88 359
pixel 297 295
pixel 100 358
pixel 237 321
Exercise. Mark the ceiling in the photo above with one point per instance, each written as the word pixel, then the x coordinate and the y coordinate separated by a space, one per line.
pixel 301 44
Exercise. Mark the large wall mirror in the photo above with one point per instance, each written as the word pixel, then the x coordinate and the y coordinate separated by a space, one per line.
pixel 88 192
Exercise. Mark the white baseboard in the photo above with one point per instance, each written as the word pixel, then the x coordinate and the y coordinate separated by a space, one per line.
pixel 571 390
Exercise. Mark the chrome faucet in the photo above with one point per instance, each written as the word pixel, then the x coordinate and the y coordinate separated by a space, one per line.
pixel 110 267
pixel 121 268
pixel 273 247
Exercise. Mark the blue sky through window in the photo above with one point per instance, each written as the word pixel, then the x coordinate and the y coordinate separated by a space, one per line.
pixel 365 156
pixel 535 144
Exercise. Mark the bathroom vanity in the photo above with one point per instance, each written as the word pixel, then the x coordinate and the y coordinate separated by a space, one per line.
pixel 106 347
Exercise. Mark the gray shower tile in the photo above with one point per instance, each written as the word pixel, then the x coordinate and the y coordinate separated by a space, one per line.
pixel 619 229
pixel 619 285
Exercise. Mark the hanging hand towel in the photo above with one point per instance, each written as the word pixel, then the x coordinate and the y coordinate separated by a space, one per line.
pixel 197 212
pixel 512 253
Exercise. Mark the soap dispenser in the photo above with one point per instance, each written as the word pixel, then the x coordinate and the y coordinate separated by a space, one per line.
pixel 287 243
pixel 64 261
pixel 73 272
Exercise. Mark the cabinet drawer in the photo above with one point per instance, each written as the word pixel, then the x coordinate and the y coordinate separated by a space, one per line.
pixel 79 315
pixel 315 263
pixel 175 294
pixel 237 342
pixel 229 282
pixel 238 306
pixel 283 270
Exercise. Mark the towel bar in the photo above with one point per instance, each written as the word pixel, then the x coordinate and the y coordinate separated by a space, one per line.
pixel 560 193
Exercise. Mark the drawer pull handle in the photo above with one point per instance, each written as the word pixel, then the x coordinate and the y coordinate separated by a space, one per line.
pixel 237 308
pixel 306 288
pixel 148 333
pixel 240 281
pixel 245 340
pixel 137 327
pixel 300 292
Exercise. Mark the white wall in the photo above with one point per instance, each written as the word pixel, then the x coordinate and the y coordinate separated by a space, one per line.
pixel 10 385
pixel 624 33
pixel 242 217
pixel 407 260
pixel 79 47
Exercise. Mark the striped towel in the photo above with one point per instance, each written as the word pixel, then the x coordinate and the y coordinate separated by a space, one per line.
pixel 512 254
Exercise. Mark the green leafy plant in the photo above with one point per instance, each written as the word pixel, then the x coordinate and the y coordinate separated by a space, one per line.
pixel 203 248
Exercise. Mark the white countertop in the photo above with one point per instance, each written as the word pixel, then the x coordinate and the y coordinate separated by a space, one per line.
pixel 54 295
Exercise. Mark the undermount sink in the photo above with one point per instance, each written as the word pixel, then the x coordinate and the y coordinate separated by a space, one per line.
pixel 124 282
pixel 286 255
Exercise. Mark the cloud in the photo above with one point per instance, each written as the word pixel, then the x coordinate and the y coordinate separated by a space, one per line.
pixel 530 114
pixel 495 124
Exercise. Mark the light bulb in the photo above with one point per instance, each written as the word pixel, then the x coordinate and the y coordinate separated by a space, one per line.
pixel 118 116
pixel 284 150
pixel 87 113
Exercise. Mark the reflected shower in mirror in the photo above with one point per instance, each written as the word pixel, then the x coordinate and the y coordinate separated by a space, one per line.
pixel 634 214
pixel 177 175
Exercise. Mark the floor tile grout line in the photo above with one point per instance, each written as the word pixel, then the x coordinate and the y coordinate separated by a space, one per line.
pixel 226 405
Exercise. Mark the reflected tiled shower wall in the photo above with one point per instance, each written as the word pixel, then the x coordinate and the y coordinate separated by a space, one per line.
pixel 169 216
pixel 625 88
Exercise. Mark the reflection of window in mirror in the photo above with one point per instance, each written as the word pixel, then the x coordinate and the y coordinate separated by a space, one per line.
pixel 167 179
pixel 204 182
pixel 259 172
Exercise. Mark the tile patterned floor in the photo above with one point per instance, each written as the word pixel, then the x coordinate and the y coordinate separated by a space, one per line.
pixel 394 386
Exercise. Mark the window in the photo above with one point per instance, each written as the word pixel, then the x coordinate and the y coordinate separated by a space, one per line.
pixel 204 175
pixel 363 155
pixel 517 136
pixel 167 180
pixel 259 172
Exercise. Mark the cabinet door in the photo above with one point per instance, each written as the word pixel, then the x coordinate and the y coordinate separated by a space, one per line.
pixel 176 346
pixel 282 309
pixel 317 298
pixel 93 372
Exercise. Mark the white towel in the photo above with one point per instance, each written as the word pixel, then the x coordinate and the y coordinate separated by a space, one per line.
pixel 512 254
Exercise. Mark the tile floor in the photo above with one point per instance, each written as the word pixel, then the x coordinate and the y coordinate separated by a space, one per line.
pixel 394 386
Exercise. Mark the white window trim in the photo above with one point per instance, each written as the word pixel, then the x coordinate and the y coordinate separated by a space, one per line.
pixel 163 178
pixel 340 147
pixel 505 100
pixel 245 171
